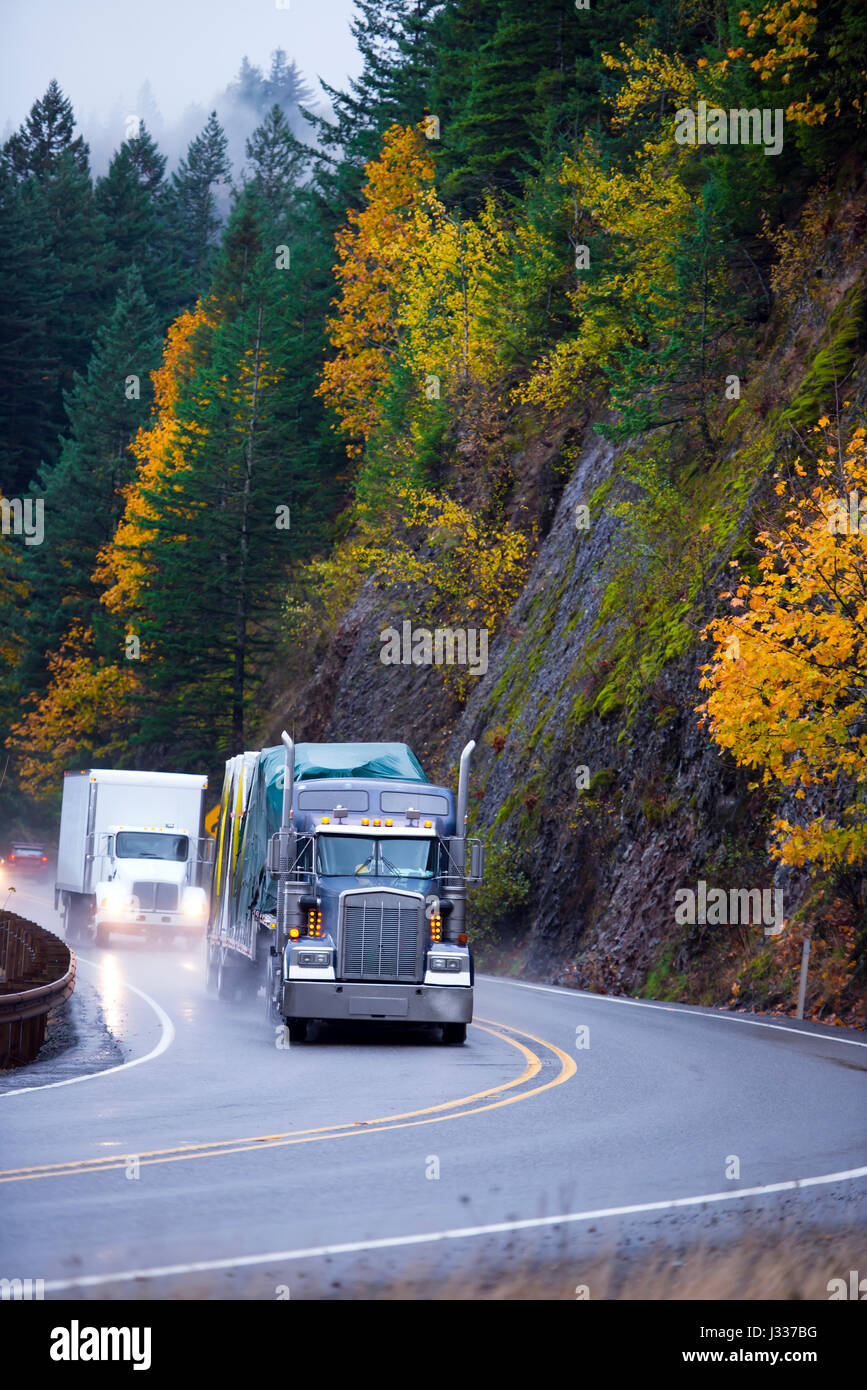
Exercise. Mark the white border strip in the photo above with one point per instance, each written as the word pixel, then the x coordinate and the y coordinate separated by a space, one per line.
pixel 167 1037
pixel 90 1281
pixel 711 1014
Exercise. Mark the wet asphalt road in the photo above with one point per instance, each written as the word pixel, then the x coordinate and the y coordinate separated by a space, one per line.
pixel 177 1150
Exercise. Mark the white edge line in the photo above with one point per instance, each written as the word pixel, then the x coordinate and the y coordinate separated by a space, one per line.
pixel 459 1233
pixel 676 1009
pixel 167 1037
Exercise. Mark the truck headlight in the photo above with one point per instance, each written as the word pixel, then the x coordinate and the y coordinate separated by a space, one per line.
pixel 113 900
pixel 312 958
pixel 195 902
pixel 453 963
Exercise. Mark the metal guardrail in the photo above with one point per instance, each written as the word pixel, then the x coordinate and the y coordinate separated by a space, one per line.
pixel 37 972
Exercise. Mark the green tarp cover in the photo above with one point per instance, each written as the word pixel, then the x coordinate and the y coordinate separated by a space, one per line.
pixel 376 760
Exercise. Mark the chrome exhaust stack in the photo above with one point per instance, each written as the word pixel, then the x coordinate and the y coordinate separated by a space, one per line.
pixel 288 894
pixel 288 780
pixel 455 923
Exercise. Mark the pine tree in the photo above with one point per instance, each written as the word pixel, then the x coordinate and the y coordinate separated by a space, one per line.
pixel 29 366
pixel 395 39
pixel 516 85
pixel 682 338
pixel 285 85
pixel 276 163
pixel 83 493
pixel 47 134
pixel 50 165
pixel 204 169
pixel 245 491
pixel 133 199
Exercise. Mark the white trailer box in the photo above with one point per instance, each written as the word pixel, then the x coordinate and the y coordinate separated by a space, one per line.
pixel 130 851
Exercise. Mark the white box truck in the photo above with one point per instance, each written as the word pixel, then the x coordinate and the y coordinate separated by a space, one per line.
pixel 132 854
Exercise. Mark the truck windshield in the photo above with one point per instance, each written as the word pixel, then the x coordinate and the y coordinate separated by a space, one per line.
pixel 147 844
pixel 350 856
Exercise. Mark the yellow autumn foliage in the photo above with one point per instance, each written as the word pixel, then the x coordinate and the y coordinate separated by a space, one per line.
pixel 469 572
pixel 159 453
pixel 788 682
pixel 90 703
pixel 373 254
pixel 640 213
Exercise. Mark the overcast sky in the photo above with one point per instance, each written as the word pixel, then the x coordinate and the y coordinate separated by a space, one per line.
pixel 101 51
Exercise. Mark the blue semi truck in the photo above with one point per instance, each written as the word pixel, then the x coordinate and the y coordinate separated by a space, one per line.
pixel 340 885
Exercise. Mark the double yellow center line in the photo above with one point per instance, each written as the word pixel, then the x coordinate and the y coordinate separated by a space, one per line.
pixel 431 1114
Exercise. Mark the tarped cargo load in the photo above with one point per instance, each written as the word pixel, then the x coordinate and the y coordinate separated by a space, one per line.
pixel 257 803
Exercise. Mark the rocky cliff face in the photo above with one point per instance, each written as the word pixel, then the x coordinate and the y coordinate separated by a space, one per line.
pixel 590 762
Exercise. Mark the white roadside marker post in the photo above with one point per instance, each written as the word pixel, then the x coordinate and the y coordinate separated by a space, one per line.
pixel 802 988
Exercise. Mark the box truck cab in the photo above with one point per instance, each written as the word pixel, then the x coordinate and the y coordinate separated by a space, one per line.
pixel 132 856
pixel 146 882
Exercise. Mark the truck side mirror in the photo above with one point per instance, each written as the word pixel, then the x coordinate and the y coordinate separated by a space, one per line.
pixel 477 861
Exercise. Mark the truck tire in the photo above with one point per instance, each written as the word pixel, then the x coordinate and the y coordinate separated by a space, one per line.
pixel 297 1029
pixel 227 978
pixel 211 967
pixel 76 915
pixel 454 1033
pixel 103 936
pixel 271 1004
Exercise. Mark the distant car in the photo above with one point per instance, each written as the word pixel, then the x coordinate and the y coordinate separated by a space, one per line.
pixel 27 859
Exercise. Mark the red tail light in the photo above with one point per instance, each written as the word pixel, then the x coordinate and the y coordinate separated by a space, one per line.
pixel 45 858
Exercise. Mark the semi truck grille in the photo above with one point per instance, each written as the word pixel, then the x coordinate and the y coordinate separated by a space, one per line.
pixel 382 938
pixel 156 897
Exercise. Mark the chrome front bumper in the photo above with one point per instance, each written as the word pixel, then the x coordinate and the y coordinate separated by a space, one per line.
pixel 398 1003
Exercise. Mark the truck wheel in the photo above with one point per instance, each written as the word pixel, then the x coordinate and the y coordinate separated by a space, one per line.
pixel 227 982
pixel 75 916
pixel 272 1007
pixel 454 1033
pixel 211 967
pixel 103 936
pixel 246 980
pixel 68 927
pixel 297 1029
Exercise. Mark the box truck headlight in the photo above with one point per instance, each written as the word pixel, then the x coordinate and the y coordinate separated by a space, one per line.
pixel 451 963
pixel 195 902
pixel 312 958
pixel 113 899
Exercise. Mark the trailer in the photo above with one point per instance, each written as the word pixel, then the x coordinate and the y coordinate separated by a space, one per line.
pixel 131 855
pixel 340 888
